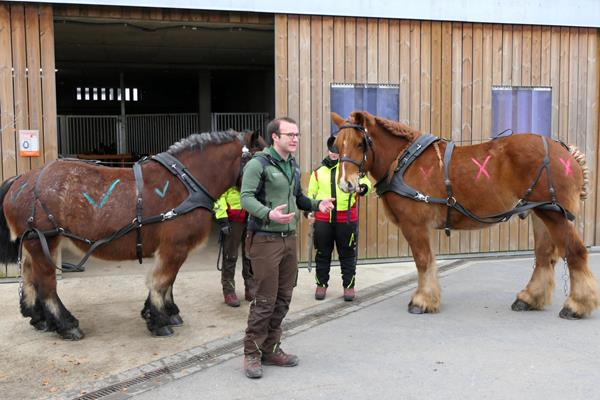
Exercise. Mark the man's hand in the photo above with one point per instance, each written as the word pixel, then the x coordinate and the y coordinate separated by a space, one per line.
pixel 224 226
pixel 311 218
pixel 277 215
pixel 326 205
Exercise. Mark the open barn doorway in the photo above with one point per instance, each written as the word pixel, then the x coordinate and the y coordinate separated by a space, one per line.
pixel 131 87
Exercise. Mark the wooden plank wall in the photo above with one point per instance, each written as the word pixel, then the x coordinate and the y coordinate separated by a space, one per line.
pixel 27 83
pixel 445 71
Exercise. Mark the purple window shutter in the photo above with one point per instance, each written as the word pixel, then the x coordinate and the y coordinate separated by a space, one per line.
pixel 523 110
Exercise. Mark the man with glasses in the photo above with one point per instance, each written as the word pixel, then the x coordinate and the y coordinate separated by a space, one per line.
pixel 272 195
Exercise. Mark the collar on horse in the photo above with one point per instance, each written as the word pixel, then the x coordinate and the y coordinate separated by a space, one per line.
pixel 397 184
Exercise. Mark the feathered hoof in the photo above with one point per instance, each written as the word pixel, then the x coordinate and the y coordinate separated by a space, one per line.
pixel 415 309
pixel 175 320
pixel 163 331
pixel 520 305
pixel 567 313
pixel 73 334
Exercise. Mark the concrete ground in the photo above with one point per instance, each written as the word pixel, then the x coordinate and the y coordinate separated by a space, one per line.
pixel 475 348
pixel 107 299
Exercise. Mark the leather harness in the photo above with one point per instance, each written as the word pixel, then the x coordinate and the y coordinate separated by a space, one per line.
pixel 198 197
pixel 396 183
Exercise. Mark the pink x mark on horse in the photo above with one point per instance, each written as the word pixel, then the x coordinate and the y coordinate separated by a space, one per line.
pixel 567 165
pixel 482 169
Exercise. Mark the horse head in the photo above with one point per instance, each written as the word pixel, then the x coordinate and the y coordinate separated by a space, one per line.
pixel 368 143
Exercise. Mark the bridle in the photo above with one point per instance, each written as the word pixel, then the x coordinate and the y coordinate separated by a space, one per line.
pixel 367 143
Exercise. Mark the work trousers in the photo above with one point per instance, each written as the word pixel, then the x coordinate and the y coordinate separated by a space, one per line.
pixel 275 267
pixel 231 243
pixel 343 235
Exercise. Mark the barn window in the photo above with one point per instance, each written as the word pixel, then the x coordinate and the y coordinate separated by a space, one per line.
pixel 106 94
pixel 522 109
pixel 380 100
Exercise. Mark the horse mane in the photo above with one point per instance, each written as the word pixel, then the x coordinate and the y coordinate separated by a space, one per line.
pixel 398 129
pixel 201 140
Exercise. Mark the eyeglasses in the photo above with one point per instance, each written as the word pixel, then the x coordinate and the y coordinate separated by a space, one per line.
pixel 291 135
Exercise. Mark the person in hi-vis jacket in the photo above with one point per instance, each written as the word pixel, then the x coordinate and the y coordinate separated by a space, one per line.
pixel 337 227
pixel 231 218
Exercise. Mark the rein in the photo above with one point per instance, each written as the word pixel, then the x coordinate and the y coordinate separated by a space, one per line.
pixel 397 184
pixel 198 197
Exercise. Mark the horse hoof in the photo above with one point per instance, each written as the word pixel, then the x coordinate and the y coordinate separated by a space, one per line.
pixel 73 334
pixel 163 331
pixel 414 309
pixel 567 313
pixel 520 305
pixel 175 320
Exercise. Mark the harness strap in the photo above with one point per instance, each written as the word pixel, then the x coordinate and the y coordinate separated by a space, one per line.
pixel 139 187
pixel 450 201
pixel 397 185
pixel 198 197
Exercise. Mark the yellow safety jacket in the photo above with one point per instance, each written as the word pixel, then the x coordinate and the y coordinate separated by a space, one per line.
pixel 320 186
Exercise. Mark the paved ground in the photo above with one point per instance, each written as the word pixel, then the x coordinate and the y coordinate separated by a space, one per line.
pixel 476 348
pixel 107 299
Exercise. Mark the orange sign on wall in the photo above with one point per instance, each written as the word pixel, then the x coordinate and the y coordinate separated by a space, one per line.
pixel 29 143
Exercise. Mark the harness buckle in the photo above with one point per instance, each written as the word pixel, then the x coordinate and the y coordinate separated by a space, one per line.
pixel 451 201
pixel 168 215
pixel 422 197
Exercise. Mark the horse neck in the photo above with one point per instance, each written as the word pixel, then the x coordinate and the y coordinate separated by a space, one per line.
pixel 387 148
pixel 213 168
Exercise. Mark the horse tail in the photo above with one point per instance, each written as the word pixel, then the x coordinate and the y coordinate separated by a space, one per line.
pixel 580 158
pixel 8 249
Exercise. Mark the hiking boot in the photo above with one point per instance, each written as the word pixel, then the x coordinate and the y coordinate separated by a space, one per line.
pixel 320 292
pixel 253 366
pixel 349 294
pixel 231 300
pixel 280 359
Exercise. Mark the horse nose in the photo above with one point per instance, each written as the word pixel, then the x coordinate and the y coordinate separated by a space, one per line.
pixel 350 186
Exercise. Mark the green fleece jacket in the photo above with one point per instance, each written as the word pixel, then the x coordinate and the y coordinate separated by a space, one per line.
pixel 264 188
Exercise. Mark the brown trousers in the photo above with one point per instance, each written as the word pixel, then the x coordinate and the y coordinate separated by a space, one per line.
pixel 275 266
pixel 231 243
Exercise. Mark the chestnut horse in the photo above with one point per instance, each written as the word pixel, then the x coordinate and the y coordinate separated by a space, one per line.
pixel 483 183
pixel 87 204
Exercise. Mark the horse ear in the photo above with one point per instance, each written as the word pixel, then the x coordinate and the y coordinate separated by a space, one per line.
pixel 339 121
pixel 254 137
pixel 361 118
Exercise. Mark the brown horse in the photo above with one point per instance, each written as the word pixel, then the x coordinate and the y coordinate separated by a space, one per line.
pixel 86 203
pixel 481 185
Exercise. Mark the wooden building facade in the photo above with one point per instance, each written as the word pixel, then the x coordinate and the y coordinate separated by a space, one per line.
pixel 445 72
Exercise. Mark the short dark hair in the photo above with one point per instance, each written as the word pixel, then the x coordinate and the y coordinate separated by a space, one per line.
pixel 273 127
